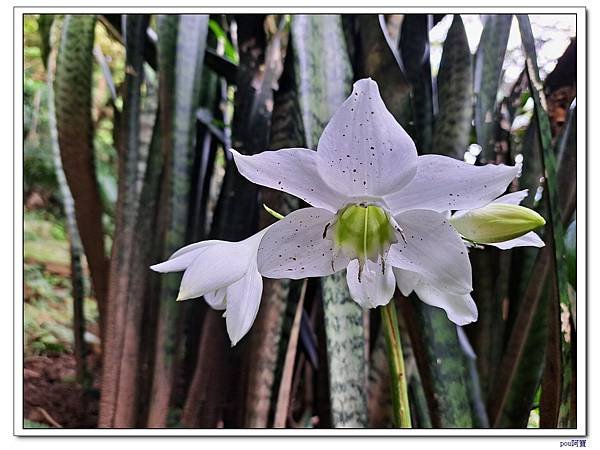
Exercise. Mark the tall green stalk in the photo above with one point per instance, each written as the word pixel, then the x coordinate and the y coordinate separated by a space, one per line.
pixel 401 409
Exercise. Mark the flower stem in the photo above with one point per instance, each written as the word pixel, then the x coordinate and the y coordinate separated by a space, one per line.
pixel 396 362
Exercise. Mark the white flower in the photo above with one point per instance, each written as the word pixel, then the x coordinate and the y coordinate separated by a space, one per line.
pixel 226 274
pixel 376 206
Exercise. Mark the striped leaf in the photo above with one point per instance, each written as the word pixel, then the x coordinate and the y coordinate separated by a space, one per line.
pixel 182 41
pixel 455 91
pixel 414 49
pixel 488 69
pixel 73 99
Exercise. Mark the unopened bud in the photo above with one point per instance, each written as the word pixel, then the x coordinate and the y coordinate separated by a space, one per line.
pixel 496 222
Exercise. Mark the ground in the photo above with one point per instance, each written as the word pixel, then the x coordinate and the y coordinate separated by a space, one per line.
pixel 52 396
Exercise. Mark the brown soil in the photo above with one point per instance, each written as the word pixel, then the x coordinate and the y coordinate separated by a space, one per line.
pixel 52 396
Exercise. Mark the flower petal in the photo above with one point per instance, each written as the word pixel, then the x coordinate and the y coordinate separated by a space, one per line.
pixel 293 170
pixel 243 300
pixel 530 239
pixel 216 299
pixel 514 198
pixel 442 183
pixel 182 258
pixel 433 249
pixel 295 247
pixel 406 280
pixel 363 150
pixel 460 309
pixel 216 267
pixel 374 286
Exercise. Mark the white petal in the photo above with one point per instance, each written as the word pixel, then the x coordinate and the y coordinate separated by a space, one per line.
pixel 243 300
pixel 216 299
pixel 527 240
pixel 514 198
pixel 444 183
pixel 295 247
pixel 216 267
pixel 433 249
pixel 374 286
pixel 293 170
pixel 182 258
pixel 460 309
pixel 192 247
pixel 406 280
pixel 363 150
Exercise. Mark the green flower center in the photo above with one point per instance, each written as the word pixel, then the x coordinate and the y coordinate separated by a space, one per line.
pixel 363 231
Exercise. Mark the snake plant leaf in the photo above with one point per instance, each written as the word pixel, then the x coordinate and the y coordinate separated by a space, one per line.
pixel 319 46
pixel 73 99
pixel 75 248
pixel 441 363
pixel 455 92
pixel 488 68
pixel 560 354
pixel 374 57
pixel 528 372
pixel 182 41
pixel 414 50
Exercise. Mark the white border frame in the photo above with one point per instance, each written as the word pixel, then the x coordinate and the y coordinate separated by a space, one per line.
pixel 582 354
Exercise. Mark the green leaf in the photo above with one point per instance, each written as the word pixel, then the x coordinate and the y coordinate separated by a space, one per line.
pixel 373 57
pixel 221 36
pixel 571 252
pixel 323 71
pixel 455 92
pixel 73 100
pixel 31 424
pixel 488 69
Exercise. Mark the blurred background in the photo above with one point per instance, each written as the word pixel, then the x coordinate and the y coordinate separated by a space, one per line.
pixel 126 119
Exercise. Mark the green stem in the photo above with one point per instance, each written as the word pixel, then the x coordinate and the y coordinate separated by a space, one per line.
pixel 399 390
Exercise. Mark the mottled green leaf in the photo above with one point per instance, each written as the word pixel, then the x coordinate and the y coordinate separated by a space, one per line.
pixel 414 49
pixel 73 99
pixel 441 364
pixel 455 94
pixel 373 57
pixel 182 41
pixel 323 71
pixel 488 69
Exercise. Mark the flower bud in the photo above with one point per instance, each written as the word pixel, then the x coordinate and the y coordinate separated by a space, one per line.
pixel 496 222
